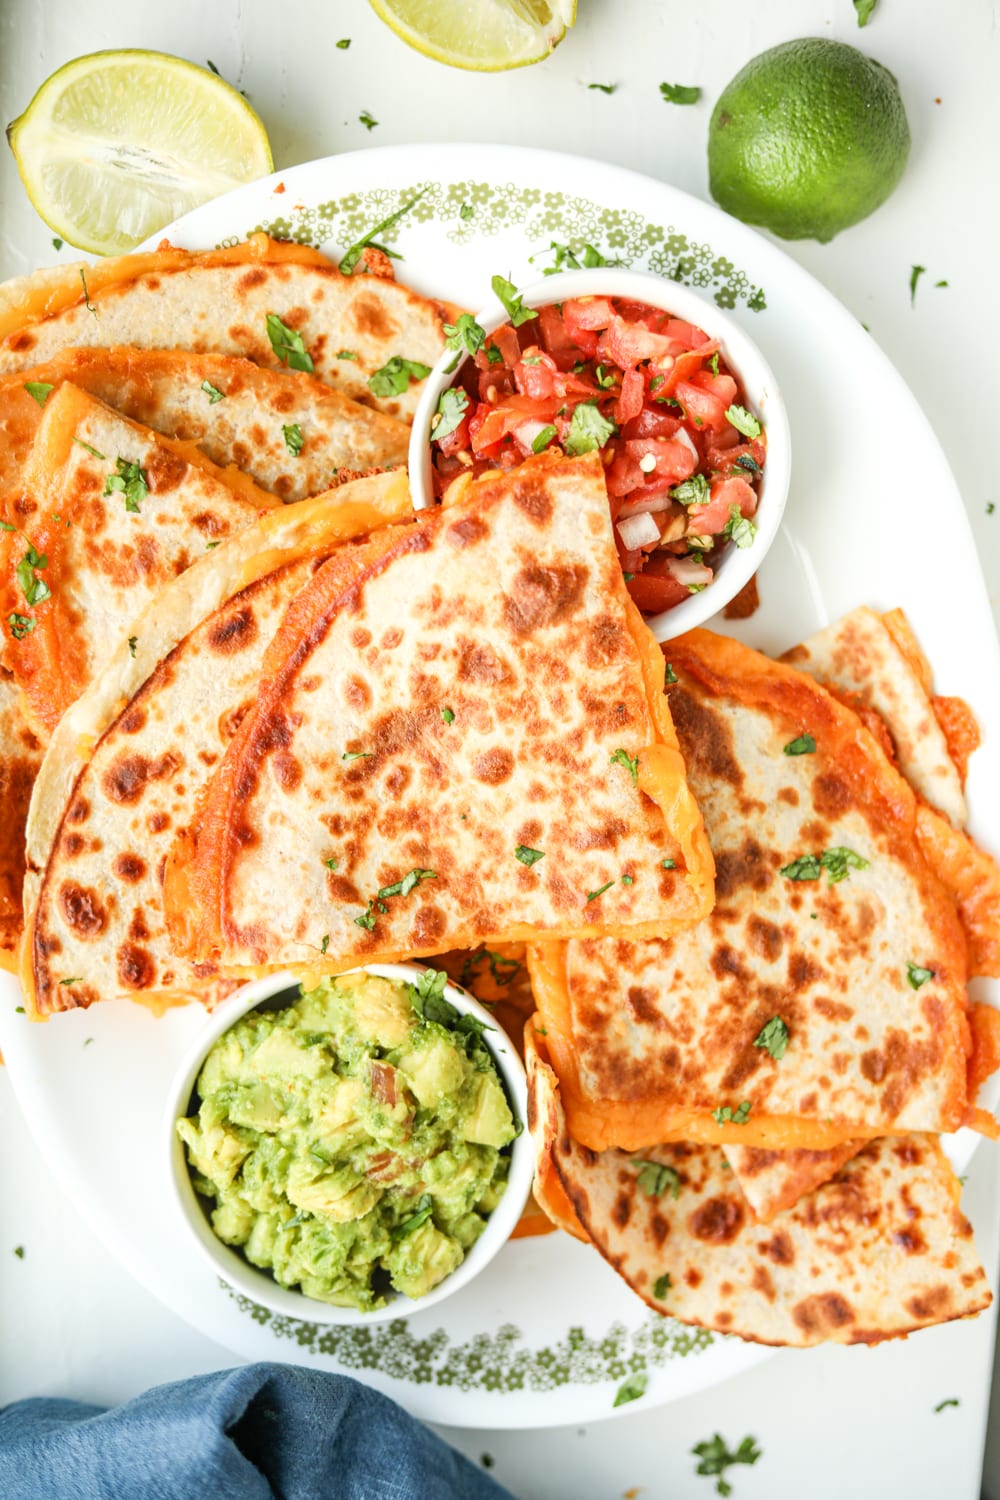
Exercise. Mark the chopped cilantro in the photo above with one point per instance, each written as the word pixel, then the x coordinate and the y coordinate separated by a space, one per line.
pixel 129 481
pixel 803 744
pixel 343 44
pixel 407 884
pixel 669 675
pixel 588 430
pixel 713 363
pixel 39 390
pixel 838 862
pixel 57 244
pixel 493 355
pixel 864 9
pixel 715 1458
pixel 990 507
pixel 605 88
pixel 661 1286
pixel 528 856
pixel 950 1401
pixel 331 864
pixel 806 867
pixel 94 452
pixel 593 895
pixel 465 335
pixel 357 755
pixel 693 491
pixel 20 625
pixel 367 120
pixel 450 414
pixel 292 435
pixel 916 976
pixel 915 274
pixel 628 880
pixel 447 715
pixel 668 864
pixel 630 762
pixel 19 1010
pixel 425 1207
pixel 567 259
pixel 773 1037
pixel 367 918
pixel 632 1388
pixel 353 254
pixel 288 345
pixel 345 354
pixel 34 589
pixel 725 1115
pixel 605 380
pixel 19 1251
pixel 393 379
pixel 940 283
pixel 680 93
pixel 654 1178
pixel 739 528
pixel 543 438
pixel 212 392
pixel 743 420
pixel 487 1460
pixel 509 297
pixel 133 641
pixel 325 943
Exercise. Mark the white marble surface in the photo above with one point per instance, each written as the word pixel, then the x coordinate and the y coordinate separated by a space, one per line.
pixel 831 1421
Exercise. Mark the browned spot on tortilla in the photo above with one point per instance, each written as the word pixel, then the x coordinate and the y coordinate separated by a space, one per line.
pixel 73 844
pixel 165 470
pixel 391 639
pixel 134 720
pixel 428 925
pixel 372 318
pixel 287 770
pixel 706 739
pixel 543 595
pixel 823 1312
pixel 911 1241
pixel 361 637
pixel 833 1010
pixel 831 795
pixel 493 766
pixel 21 342
pixel 765 938
pixel 233 632
pixel 933 1303
pixel 779 1249
pixel 803 971
pixel 717 1220
pixel 605 642
pixel 255 277
pixel 480 663
pixel 622 1211
pixel 357 693
pixel 79 812
pixel 469 530
pixel 157 822
pixel 136 968
pixel 738 867
pixel 83 909
pixel 788 794
pixel 534 500
pixel 129 867
pixel 762 1282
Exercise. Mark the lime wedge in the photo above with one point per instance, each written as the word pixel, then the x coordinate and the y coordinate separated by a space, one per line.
pixel 117 144
pixel 486 35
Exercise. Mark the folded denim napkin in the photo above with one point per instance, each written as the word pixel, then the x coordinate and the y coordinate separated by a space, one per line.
pixel 248 1434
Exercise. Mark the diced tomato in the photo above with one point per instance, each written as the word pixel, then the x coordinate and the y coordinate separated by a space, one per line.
pixel 500 420
pixel 554 337
pixel 533 374
pixel 652 421
pixel 674 461
pixel 588 315
pixel 625 344
pixel 506 340
pixel 688 334
pixel 629 403
pixel 708 520
pixel 455 441
pixel 685 367
pixel 701 406
pixel 653 591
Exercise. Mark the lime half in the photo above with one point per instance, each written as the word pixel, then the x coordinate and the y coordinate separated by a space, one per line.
pixel 486 35
pixel 117 144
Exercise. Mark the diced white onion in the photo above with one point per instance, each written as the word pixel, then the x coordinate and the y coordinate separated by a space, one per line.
pixel 649 504
pixel 688 571
pixel 526 432
pixel 683 436
pixel 638 531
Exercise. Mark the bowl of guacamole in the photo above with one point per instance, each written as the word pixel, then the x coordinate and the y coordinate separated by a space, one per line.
pixel 350 1148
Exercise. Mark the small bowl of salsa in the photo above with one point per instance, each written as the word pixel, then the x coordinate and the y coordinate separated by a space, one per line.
pixel 668 389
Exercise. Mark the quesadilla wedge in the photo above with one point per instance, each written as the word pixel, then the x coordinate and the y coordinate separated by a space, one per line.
pixel 879 1251
pixel 823 1001
pixel 20 758
pixel 125 766
pixel 461 739
pixel 288 431
pixel 110 513
pixel 343 329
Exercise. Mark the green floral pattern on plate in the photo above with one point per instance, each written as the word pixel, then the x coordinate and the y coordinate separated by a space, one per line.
pixel 622 236
pixel 491 1362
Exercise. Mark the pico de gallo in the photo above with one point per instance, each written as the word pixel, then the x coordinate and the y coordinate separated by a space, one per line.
pixel 653 394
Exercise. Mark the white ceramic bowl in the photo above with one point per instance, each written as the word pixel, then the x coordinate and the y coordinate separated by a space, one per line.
pixel 737 565
pixel 259 1285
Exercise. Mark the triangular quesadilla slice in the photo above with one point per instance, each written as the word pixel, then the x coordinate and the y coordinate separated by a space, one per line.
pixel 461 739
pixel 879 1251
pixel 125 766
pixel 20 758
pixel 110 512
pixel 289 432
pixel 282 305
pixel 824 999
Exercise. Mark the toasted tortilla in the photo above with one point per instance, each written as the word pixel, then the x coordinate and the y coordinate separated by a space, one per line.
pixel 217 302
pixel 240 420
pixel 20 758
pixel 878 1252
pixel 107 554
pixel 127 763
pixel 460 690
pixel 654 1041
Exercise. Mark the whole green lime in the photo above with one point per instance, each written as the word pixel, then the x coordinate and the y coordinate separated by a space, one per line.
pixel 807 139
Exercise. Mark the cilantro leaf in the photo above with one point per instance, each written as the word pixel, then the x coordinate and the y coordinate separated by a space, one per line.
pixel 744 421
pixel 661 1286
pixel 367 918
pixel 630 762
pixel 129 481
pixel 357 755
pixel 133 641
pixel 739 528
pixel 680 93
pixel 915 274
pixel 632 1388
pixel 353 254
pixel 367 120
pixel 567 259
pixel 212 392
pixel 839 862
pixel 588 430
pixel 605 88
pixel 34 589
pixel 654 1178
pixel 543 438
pixel 425 1207
pixel 393 379
pixel 324 945
pixel 593 895
pixel 345 354
pixel 464 335
pixel 693 491
pixel 20 625
pixel 509 298
pixel 715 1458
pixel 288 345
pixel 668 864
pixel 773 1038
pixel 803 744
pixel 950 1401
pixel 39 390
pixel 448 715
pixel 669 675
pixel 916 976
pixel 806 867
pixel 94 452
pixel 528 856
pixel 292 435
pixel 343 44
pixel 725 1115
pixel 407 884
pixel 450 414
pixel 864 9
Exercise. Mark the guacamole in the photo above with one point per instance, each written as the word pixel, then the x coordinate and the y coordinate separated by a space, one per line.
pixel 353 1141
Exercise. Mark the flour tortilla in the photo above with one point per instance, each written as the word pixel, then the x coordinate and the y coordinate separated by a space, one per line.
pixel 217 302
pixel 462 688
pixel 878 1252
pixel 126 765
pixel 654 1040
pixel 20 758
pixel 165 390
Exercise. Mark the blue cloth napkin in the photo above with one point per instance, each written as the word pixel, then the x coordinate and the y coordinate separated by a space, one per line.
pixel 249 1434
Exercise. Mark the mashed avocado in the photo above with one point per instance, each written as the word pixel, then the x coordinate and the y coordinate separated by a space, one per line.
pixel 353 1141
